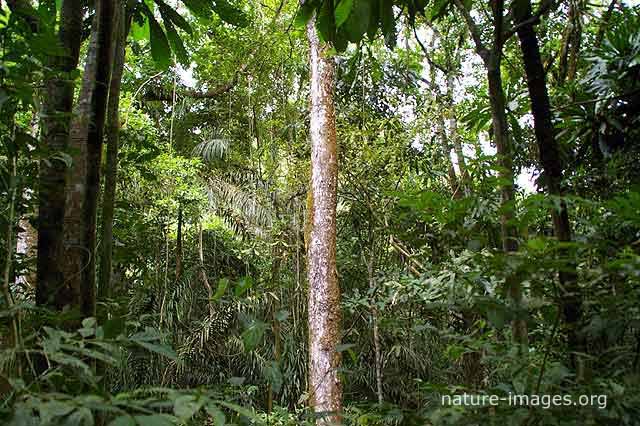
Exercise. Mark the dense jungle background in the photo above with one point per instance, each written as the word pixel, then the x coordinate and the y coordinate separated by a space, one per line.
pixel 328 212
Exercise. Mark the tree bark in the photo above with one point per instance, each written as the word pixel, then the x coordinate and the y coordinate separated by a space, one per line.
pixel 492 58
pixel 325 389
pixel 113 141
pixel 179 245
pixel 84 185
pixel 570 49
pixel 454 136
pixel 51 289
pixel 203 271
pixel 551 160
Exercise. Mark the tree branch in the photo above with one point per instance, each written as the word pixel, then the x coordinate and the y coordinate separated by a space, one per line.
pixel 545 7
pixel 476 34
pixel 426 53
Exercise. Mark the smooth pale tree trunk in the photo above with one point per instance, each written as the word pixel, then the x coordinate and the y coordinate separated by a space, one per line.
pixel 446 155
pixel 325 389
pixel 84 185
pixel 492 57
pixel 454 135
pixel 550 159
pixel 203 271
pixel 440 126
pixel 113 140
pixel 51 288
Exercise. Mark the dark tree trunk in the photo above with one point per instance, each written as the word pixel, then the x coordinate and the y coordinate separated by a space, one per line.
pixel 51 289
pixel 504 151
pixel 492 57
pixel 87 135
pixel 551 160
pixel 324 293
pixel 113 140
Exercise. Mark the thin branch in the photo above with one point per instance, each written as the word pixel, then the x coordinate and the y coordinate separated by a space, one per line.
pixel 546 7
pixel 476 34
pixel 426 53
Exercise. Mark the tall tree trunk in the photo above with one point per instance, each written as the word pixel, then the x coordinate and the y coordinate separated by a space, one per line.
pixel 324 293
pixel 492 58
pixel 604 23
pixel 442 135
pixel 113 140
pixel 87 135
pixel 203 271
pixel 454 135
pixel 51 289
pixel 550 158
pixel 509 231
pixel 446 156
pixel 179 245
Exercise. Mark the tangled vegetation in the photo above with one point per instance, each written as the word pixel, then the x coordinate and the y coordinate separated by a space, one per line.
pixel 168 231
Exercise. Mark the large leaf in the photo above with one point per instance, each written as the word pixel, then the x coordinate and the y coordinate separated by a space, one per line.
pixel 358 21
pixel 160 50
pixel 169 15
pixel 157 348
pixel 176 44
pixel 388 22
pixel 305 12
pixel 200 8
pixel 343 9
pixel 230 14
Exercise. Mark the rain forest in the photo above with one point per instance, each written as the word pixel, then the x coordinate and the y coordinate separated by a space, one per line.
pixel 319 212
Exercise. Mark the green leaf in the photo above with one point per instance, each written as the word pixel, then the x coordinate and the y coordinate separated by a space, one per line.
pixel 244 284
pixel 139 31
pixel 53 409
pixel 216 414
pixel 114 327
pixel 282 315
pixel 169 15
pixel 388 22
pixel 176 44
pixel 343 9
pixel 497 316
pixel 305 12
pixel 438 9
pixel 345 346
pixel 274 376
pixel 325 22
pixel 125 420
pixel 230 14
pixel 252 336
pixel 160 50
pixel 240 410
pixel 155 420
pixel 159 349
pixel 358 21
pixel 200 8
pixel 185 406
pixel 81 417
pixel 223 283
